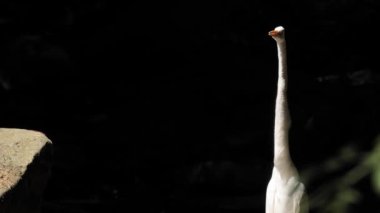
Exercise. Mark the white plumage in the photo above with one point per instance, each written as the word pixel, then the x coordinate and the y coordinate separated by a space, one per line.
pixel 285 192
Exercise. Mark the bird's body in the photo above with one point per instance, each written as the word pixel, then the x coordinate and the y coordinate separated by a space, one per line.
pixel 285 193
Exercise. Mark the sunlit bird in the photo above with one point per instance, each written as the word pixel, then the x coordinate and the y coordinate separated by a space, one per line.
pixel 285 192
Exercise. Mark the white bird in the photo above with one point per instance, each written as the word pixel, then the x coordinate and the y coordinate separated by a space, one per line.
pixel 285 192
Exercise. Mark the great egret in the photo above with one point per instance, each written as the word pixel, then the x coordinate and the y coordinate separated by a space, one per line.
pixel 285 193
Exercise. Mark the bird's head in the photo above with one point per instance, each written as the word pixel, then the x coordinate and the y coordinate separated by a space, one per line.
pixel 278 33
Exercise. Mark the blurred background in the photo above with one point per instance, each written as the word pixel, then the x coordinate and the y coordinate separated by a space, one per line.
pixel 164 107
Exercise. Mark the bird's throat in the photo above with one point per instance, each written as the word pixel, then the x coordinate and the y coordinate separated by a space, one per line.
pixel 282 117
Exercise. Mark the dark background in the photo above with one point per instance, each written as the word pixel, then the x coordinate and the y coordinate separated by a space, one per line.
pixel 166 107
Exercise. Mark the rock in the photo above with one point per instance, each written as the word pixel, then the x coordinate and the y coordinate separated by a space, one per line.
pixel 25 161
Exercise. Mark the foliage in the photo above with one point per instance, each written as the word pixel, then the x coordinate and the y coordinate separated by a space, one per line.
pixel 340 194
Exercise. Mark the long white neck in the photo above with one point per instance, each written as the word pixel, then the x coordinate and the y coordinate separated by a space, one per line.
pixel 282 122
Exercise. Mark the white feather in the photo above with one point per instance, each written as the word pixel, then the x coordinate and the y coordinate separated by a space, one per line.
pixel 285 192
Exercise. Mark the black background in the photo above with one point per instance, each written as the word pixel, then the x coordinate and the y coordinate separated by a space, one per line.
pixel 159 106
